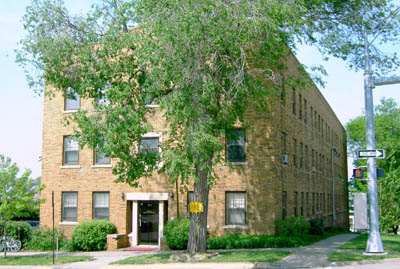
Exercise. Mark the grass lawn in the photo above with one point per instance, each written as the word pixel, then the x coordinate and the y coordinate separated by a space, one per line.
pixel 341 257
pixel 237 256
pixel 390 242
pixel 41 260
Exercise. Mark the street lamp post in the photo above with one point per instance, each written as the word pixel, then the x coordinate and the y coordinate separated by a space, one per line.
pixel 374 244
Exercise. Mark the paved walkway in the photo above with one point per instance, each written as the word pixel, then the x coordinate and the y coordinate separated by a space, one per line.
pixel 312 256
pixel 315 255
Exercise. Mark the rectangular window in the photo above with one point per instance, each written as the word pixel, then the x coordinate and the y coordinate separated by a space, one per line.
pixel 311 116
pixel 321 204
pixel 101 205
pixel 71 150
pixel 294 152
pixel 72 100
pixel 294 101
pixel 307 205
pixel 149 144
pixel 300 108
pixel 70 206
pixel 283 143
pixel 312 159
pixel 235 208
pixel 101 158
pixel 283 204
pixel 283 91
pixel 313 203
pixel 102 99
pixel 295 204
pixel 319 123
pixel 315 120
pixel 301 155
pixel 306 157
pixel 302 204
pixel 305 111
pixel 235 145
pixel 322 128
pixel 317 202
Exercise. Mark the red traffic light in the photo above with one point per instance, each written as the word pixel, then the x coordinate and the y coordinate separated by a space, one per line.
pixel 358 173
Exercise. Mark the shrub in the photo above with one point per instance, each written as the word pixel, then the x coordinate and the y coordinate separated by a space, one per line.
pixel 18 230
pixel 92 235
pixel 253 241
pixel 177 233
pixel 292 227
pixel 42 239
pixel 317 227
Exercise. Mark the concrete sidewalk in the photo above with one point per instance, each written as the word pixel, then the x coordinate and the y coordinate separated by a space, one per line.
pixel 312 256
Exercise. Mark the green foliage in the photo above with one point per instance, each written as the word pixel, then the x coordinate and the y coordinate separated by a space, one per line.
pixel 17 230
pixel 237 241
pixel 92 235
pixel 317 226
pixel 292 227
pixel 177 233
pixel 42 239
pixel 17 194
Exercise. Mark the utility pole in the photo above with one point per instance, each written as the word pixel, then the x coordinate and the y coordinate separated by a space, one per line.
pixel 374 244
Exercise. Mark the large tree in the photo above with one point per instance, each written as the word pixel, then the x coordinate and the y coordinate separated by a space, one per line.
pixel 387 132
pixel 204 62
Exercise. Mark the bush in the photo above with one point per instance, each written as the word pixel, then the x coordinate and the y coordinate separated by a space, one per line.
pixel 92 235
pixel 18 230
pixel 177 233
pixel 292 227
pixel 237 241
pixel 317 227
pixel 42 239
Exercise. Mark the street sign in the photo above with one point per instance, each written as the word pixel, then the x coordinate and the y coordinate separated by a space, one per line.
pixel 371 153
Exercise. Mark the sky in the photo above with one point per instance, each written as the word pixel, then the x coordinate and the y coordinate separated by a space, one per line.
pixel 21 110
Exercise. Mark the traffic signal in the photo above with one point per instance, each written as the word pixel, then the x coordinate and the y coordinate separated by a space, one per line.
pixel 358 173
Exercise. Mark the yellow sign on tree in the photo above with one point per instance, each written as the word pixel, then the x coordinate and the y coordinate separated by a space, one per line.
pixel 196 207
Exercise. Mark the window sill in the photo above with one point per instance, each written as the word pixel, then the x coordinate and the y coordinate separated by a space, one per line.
pixel 69 111
pixel 70 166
pixel 68 223
pixel 235 227
pixel 153 106
pixel 102 166
pixel 237 163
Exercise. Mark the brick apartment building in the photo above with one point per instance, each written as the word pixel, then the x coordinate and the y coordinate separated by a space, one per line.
pixel 281 166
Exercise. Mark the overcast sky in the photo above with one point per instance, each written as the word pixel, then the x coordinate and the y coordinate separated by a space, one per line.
pixel 21 111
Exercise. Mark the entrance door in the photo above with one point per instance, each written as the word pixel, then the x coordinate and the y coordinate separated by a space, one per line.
pixel 148 222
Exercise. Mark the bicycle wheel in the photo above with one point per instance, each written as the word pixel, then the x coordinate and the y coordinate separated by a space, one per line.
pixel 15 245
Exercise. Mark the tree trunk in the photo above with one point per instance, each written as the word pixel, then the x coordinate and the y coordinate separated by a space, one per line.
pixel 198 222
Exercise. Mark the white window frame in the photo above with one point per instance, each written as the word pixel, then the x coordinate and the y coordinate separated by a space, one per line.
pixel 154 135
pixel 94 204
pixel 65 151
pixel 64 206
pixel 67 98
pixel 227 207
